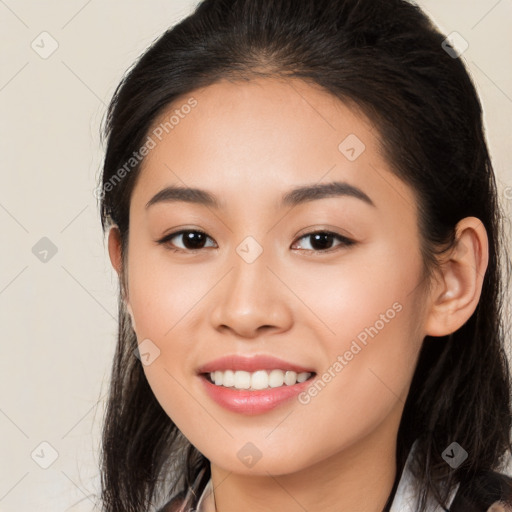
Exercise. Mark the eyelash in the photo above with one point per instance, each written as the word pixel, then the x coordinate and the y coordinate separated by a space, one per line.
pixel 345 242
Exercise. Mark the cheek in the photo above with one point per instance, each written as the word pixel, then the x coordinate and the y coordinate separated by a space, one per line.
pixel 370 351
pixel 163 295
pixel 371 310
pixel 363 293
pixel 162 299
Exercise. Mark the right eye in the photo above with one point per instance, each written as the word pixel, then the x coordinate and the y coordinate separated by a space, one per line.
pixel 193 240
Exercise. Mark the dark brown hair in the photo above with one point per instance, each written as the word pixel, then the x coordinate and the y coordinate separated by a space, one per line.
pixel 386 58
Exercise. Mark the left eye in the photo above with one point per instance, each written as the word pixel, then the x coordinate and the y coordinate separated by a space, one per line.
pixel 322 239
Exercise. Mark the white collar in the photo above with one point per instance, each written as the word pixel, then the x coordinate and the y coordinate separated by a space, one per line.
pixel 404 500
pixel 206 502
pixel 406 492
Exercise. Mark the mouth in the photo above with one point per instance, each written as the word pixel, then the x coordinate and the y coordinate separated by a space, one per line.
pixel 253 384
pixel 235 392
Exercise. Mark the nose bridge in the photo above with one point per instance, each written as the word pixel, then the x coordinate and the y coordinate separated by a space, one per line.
pixel 250 272
pixel 251 297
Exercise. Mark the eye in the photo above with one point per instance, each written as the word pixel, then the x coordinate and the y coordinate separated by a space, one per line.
pixel 193 240
pixel 322 241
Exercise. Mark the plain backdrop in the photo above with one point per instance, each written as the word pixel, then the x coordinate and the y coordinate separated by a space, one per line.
pixel 58 292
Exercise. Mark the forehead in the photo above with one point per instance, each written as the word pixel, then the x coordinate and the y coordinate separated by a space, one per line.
pixel 260 135
pixel 273 109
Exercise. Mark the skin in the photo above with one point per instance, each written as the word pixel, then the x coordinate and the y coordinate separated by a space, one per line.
pixel 248 143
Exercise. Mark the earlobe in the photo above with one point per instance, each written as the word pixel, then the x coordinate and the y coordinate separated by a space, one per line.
pixel 455 295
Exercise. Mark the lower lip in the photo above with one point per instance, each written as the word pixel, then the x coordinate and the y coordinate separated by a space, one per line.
pixel 253 402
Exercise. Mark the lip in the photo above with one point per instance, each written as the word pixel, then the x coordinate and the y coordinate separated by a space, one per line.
pixel 251 364
pixel 252 402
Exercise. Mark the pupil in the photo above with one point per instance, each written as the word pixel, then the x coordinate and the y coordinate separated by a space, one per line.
pixel 324 239
pixel 194 239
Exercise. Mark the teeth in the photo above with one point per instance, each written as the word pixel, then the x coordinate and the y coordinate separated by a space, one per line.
pixel 260 379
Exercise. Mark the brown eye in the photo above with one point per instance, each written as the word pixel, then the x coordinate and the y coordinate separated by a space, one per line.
pixel 193 240
pixel 322 241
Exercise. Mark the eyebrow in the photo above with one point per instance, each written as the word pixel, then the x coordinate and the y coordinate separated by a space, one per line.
pixel 294 197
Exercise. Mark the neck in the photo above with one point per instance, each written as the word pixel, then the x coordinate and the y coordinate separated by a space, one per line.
pixel 359 478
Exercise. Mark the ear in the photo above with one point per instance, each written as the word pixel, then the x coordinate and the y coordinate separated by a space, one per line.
pixel 455 295
pixel 115 253
pixel 114 249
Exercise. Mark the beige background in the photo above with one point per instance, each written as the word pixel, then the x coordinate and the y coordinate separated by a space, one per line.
pixel 59 317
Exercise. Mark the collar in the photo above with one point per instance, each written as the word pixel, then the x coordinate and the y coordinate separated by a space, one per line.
pixel 206 502
pixel 406 492
pixel 404 500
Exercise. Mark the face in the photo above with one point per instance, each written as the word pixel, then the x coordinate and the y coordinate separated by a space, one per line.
pixel 329 283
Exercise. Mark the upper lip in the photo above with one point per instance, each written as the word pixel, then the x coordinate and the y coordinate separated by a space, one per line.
pixel 250 364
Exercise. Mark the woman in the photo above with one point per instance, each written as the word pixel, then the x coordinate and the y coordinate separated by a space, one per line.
pixel 303 216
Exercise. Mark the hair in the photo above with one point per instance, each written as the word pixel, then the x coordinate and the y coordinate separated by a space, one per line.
pixel 386 59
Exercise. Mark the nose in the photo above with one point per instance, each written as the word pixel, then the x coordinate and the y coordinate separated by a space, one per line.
pixel 252 299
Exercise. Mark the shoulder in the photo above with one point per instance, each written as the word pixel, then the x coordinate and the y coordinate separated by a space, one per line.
pixel 488 491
